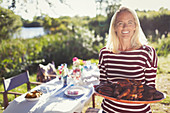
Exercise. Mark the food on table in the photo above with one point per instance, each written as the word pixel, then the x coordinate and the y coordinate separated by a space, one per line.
pixel 33 94
pixel 72 92
pixel 129 90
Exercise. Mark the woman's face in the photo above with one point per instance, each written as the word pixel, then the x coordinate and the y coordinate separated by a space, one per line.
pixel 125 25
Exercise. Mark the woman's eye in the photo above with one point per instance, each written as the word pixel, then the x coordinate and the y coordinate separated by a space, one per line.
pixel 131 23
pixel 120 23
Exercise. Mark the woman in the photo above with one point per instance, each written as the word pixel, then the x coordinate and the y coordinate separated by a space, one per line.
pixel 126 55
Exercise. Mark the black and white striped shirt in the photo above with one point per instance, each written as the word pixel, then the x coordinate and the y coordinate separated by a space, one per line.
pixel 140 64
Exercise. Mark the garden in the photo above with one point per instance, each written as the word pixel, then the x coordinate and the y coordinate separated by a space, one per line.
pixel 68 38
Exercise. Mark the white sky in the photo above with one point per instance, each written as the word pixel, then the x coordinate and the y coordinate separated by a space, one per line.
pixel 147 4
pixel 86 7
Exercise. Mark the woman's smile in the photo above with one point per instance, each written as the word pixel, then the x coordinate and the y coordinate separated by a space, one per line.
pixel 125 26
pixel 125 32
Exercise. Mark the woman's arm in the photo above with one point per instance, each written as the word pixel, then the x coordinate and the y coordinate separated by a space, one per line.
pixel 102 68
pixel 151 67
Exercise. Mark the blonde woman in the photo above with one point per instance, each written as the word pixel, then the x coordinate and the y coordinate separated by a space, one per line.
pixel 127 55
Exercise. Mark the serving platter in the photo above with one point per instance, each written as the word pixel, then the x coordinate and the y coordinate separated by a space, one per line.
pixel 130 101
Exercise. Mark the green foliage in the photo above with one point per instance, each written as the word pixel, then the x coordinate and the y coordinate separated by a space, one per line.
pixel 9 23
pixel 47 22
pixel 163 48
pixel 69 37
pixel 10 56
pixel 96 61
pixel 155 24
pixel 65 47
pixel 100 24
pixel 56 25
pixel 20 54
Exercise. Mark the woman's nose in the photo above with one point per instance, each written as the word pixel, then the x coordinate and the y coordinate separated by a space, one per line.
pixel 125 25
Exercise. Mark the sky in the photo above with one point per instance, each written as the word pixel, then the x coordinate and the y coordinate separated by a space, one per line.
pixel 83 7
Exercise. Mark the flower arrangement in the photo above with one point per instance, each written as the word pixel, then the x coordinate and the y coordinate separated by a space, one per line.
pixel 63 70
pixel 77 63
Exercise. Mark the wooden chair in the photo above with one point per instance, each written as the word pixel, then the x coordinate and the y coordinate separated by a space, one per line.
pixel 93 100
pixel 14 82
pixel 93 109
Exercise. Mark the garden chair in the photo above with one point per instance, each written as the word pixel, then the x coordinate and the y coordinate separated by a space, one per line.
pixel 93 109
pixel 14 82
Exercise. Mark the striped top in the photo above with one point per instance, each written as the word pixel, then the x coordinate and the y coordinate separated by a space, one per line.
pixel 140 64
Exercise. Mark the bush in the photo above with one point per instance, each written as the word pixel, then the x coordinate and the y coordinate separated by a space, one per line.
pixel 9 23
pixel 18 55
pixel 163 49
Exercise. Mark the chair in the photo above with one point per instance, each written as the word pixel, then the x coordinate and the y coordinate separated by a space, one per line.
pixel 46 72
pixel 14 82
pixel 93 109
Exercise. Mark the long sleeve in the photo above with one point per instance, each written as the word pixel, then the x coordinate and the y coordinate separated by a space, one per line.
pixel 151 68
pixel 102 68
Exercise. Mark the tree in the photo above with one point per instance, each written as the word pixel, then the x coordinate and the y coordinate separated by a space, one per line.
pixel 9 23
pixel 100 24
pixel 21 6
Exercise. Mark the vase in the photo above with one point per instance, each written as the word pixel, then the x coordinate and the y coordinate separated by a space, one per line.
pixel 65 81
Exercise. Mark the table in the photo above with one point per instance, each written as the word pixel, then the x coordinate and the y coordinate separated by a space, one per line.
pixel 53 99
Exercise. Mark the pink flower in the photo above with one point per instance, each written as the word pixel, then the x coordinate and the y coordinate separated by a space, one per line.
pixel 62 67
pixel 60 71
pixel 84 62
pixel 74 59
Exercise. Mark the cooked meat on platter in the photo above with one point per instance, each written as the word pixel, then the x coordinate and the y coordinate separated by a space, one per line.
pixel 33 94
pixel 129 90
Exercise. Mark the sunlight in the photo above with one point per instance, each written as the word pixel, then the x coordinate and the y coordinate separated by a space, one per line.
pixel 75 7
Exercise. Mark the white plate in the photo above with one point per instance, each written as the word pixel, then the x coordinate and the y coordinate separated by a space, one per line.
pixel 32 99
pixel 76 89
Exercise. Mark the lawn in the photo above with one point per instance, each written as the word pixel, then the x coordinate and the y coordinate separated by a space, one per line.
pixel 162 84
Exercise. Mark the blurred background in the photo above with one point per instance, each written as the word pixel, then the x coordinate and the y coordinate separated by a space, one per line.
pixel 42 31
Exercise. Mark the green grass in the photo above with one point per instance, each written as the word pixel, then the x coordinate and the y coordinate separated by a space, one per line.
pixel 162 84
pixel 21 89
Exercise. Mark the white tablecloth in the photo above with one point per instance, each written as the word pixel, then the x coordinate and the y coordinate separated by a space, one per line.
pixel 55 101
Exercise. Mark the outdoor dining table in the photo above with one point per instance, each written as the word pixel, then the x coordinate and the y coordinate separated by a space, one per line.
pixel 53 99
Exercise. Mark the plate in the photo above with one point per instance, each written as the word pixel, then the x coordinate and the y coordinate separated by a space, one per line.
pixel 32 99
pixel 74 91
pixel 33 95
pixel 130 101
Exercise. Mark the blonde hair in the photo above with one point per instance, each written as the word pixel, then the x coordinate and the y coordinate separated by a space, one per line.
pixel 138 38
